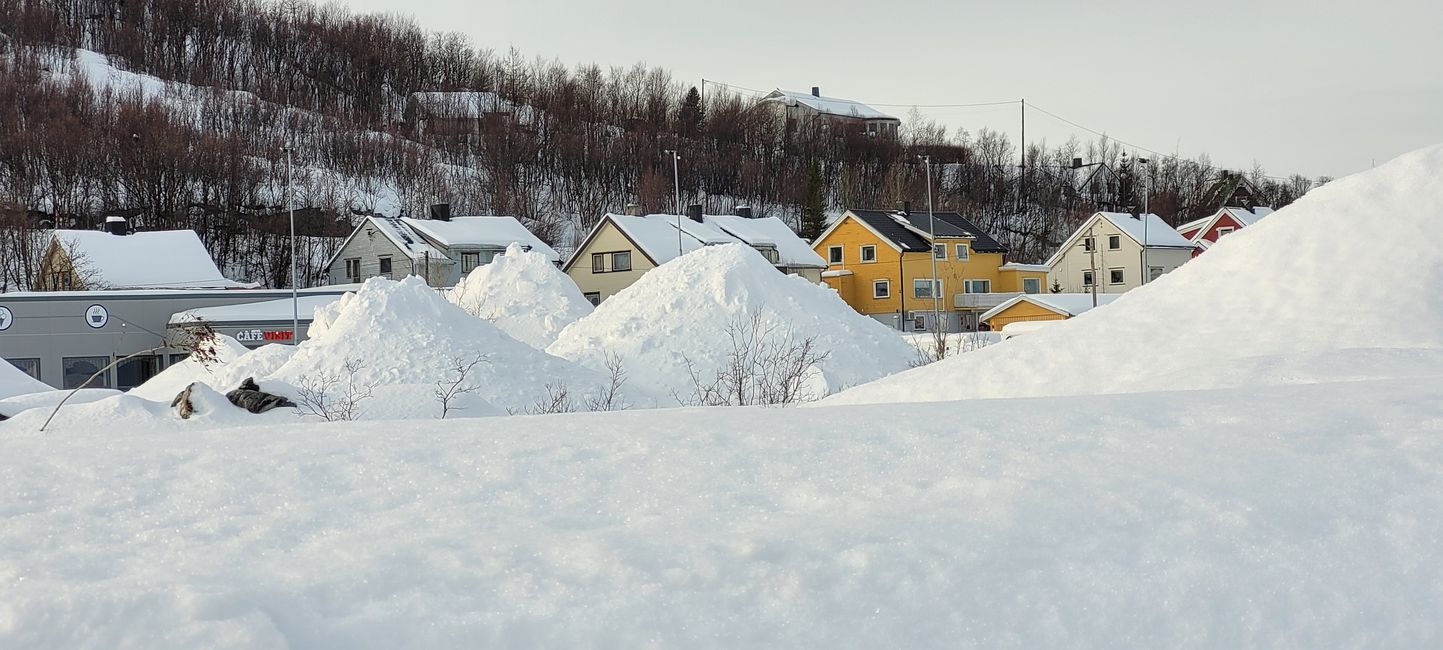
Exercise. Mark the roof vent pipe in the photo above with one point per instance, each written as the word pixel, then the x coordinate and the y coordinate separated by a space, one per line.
pixel 816 91
pixel 633 209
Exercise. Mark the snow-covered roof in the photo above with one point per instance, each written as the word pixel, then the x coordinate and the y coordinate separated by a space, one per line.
pixel 162 259
pixel 1201 227
pixel 400 233
pixel 837 273
pixel 1016 266
pixel 792 250
pixel 827 105
pixel 1067 304
pixel 1151 226
pixel 656 235
pixel 482 232
pixel 257 312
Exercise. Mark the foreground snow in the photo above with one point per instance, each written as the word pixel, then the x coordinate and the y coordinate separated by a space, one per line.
pixel 1298 516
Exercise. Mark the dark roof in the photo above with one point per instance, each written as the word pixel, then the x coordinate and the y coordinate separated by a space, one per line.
pixel 945 224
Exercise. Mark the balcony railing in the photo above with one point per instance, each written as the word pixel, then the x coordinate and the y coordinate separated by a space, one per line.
pixel 982 300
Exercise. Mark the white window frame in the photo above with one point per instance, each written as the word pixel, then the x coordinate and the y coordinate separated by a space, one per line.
pixel 1114 238
pixel 836 254
pixel 939 252
pixel 885 285
pixel 1035 281
pixel 968 285
pixel 1085 281
pixel 1123 271
pixel 862 253
pixel 964 252
pixel 935 287
pixel 1225 230
pixel 615 267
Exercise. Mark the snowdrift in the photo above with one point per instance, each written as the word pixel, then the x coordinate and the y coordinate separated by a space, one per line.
pixel 524 295
pixel 404 334
pixel 681 312
pixel 15 382
pixel 1353 267
pixel 169 382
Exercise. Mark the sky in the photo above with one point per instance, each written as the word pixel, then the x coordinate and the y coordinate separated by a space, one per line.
pixel 1312 87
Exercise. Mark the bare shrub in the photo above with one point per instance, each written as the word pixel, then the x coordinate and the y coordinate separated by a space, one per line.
pixel 557 400
pixel 333 396
pixel 447 390
pixel 766 364
pixel 610 398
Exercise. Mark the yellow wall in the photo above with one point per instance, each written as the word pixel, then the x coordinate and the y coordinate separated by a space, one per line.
pixel 1022 311
pixel 608 240
pixel 856 289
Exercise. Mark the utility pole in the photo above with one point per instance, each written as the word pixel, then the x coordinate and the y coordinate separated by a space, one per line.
pixel 932 235
pixel 1022 162
pixel 1092 259
pixel 676 186
pixel 1146 274
pixel 295 297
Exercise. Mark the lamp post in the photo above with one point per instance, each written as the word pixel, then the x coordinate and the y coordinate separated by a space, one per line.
pixel 676 187
pixel 1146 274
pixel 932 236
pixel 295 297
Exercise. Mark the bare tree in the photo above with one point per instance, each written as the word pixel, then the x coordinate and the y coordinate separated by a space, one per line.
pixel 448 390
pixel 765 363
pixel 609 398
pixel 335 396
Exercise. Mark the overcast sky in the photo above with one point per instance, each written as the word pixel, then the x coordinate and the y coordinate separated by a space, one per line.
pixel 1302 86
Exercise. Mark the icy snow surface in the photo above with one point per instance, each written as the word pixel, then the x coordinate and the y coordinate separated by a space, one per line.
pixel 524 295
pixel 682 310
pixel 1273 295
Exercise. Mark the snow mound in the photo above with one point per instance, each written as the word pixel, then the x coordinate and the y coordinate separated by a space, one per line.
pixel 524 295
pixel 169 382
pixel 47 399
pixel 88 414
pixel 405 333
pixel 1353 265
pixel 14 381
pixel 681 312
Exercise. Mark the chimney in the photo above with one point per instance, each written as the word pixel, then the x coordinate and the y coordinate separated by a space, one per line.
pixel 116 225
pixel 441 211
pixel 633 209
pixel 744 211
pixel 904 207
pixel 1076 163
pixel 693 212
pixel 816 91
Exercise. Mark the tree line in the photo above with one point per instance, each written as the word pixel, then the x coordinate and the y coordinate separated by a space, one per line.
pixel 217 95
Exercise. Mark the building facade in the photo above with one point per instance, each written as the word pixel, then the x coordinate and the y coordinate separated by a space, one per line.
pixel 1107 253
pixel 441 250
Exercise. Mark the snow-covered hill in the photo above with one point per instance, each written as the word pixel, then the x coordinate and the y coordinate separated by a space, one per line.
pixel 1345 283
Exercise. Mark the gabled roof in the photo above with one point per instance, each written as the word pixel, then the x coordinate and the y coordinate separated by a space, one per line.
pixel 909 233
pixel 656 236
pixel 1158 234
pixel 479 232
pixel 827 105
pixel 1066 304
pixel 163 259
pixel 1205 225
pixel 408 241
pixel 792 250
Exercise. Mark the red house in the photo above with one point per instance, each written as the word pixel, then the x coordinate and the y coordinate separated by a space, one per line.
pixel 1205 232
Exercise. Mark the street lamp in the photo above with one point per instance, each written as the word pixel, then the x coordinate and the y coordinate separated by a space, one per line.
pixel 295 297
pixel 1146 273
pixel 932 236
pixel 676 187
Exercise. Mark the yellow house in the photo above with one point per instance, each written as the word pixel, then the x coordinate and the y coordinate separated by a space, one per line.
pixel 1043 307
pixel 881 263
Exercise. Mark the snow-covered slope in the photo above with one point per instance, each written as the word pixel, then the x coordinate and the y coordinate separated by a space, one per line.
pixel 1293 517
pixel 14 382
pixel 682 310
pixel 524 295
pixel 1355 265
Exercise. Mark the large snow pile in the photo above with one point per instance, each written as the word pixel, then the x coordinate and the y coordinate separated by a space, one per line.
pixel 524 295
pixel 169 382
pixel 1295 517
pixel 405 334
pixel 686 311
pixel 14 381
pixel 1312 291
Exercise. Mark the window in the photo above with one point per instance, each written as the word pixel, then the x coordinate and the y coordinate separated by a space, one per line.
pixel 353 270
pixel 77 369
pixel 834 254
pixel 1114 242
pixel 939 251
pixel 598 262
pixel 385 265
pixel 922 288
pixel 1088 244
pixel 134 372
pixel 869 253
pixel 1225 230
pixel 1115 276
pixel 593 297
pixel 919 322
pixel 621 261
pixel 1031 285
pixel 881 288
pixel 469 261
pixel 770 252
pixel 177 358
pixel 977 286
pixel 962 252
pixel 1154 272
pixel 28 366
pixel 1087 278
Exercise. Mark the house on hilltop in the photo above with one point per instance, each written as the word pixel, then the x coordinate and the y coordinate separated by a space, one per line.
pixel 442 249
pixel 803 111
pixel 623 247
pixel 117 258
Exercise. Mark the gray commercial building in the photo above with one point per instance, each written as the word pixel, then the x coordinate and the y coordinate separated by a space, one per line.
pixel 63 337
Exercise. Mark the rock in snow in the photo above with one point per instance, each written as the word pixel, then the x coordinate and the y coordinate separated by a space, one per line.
pixel 680 312
pixel 1309 294
pixel 524 295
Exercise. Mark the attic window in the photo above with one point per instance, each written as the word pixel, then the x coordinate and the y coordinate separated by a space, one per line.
pixel 1114 242
pixel 869 253
pixel 1225 230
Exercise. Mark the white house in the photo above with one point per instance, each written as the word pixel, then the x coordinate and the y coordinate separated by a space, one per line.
pixel 441 250
pixel 1112 249
pixel 801 110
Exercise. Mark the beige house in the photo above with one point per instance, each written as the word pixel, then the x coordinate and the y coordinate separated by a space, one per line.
pixel 623 247
pixel 1114 252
